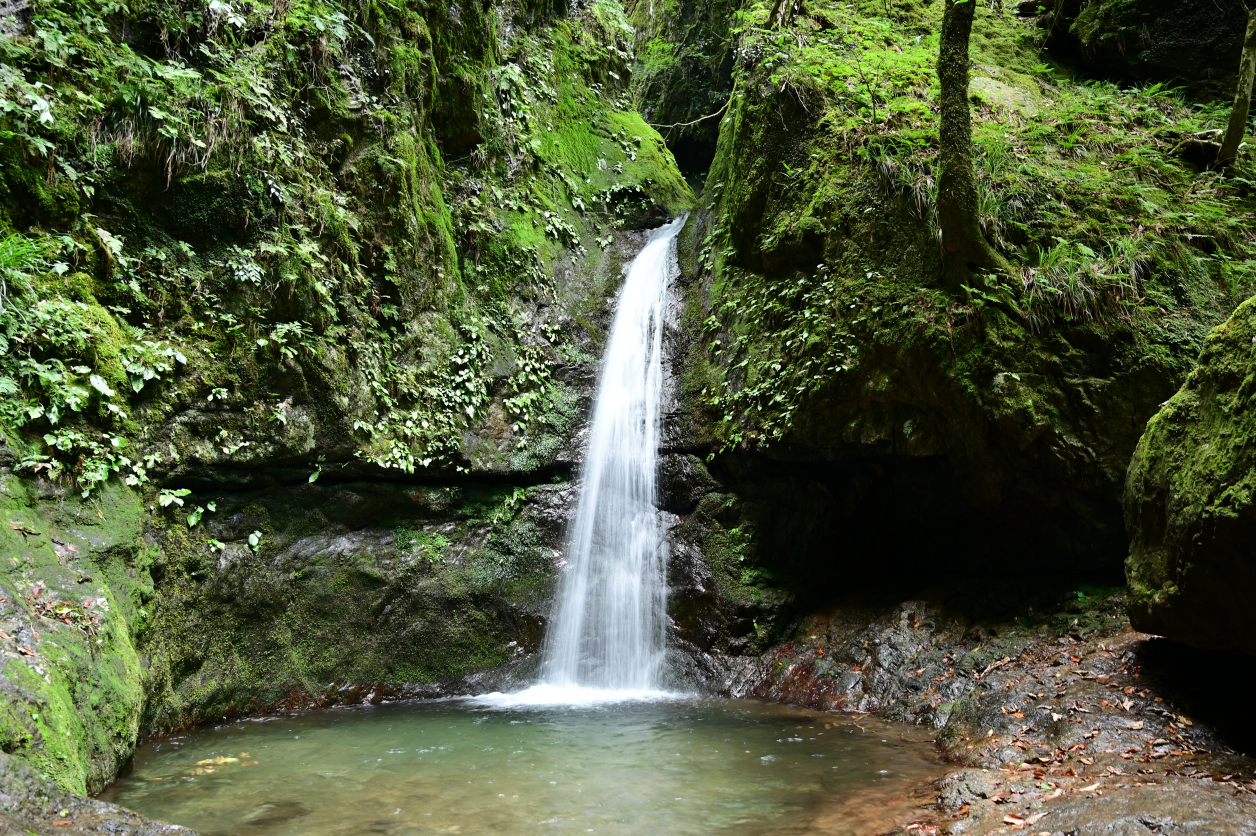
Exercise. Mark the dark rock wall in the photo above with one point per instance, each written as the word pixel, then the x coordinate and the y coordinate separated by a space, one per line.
pixel 1196 43
pixel 872 424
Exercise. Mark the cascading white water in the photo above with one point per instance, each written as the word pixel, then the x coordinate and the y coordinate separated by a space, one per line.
pixel 608 627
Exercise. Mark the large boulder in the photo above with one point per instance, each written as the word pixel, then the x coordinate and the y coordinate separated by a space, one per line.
pixel 1190 501
pixel 1192 42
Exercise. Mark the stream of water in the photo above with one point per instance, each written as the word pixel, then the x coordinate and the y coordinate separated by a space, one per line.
pixel 608 628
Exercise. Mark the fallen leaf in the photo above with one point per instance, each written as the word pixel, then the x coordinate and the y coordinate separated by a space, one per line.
pixel 26 651
pixel 1091 788
pixel 1013 819
pixel 1135 726
pixel 1034 819
pixel 60 822
pixel 1088 761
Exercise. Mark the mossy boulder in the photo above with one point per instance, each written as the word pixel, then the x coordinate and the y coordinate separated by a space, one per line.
pixel 1190 501
pixel 332 593
pixel 1196 42
pixel 73 587
pixel 874 424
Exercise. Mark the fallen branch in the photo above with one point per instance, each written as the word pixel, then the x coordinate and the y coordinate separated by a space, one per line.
pixel 992 666
pixel 696 121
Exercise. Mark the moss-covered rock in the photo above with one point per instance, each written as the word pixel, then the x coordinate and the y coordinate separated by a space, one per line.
pixel 1194 42
pixel 280 288
pixel 74 585
pixel 31 803
pixel 876 424
pixel 324 594
pixel 1190 501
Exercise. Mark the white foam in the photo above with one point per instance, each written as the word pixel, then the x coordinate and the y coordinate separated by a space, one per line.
pixel 574 696
pixel 607 634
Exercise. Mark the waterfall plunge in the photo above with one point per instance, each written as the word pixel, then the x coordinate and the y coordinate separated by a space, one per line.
pixel 606 636
pixel 608 626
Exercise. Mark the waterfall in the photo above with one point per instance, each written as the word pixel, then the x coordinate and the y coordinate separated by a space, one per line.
pixel 608 627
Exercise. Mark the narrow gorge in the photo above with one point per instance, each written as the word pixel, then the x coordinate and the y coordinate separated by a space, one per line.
pixel 318 449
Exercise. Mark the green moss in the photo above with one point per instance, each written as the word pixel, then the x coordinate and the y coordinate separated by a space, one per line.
pixel 416 591
pixel 805 264
pixel 74 706
pixel 1190 488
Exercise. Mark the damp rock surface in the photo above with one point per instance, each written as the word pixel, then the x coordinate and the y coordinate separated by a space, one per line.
pixel 31 803
pixel 1190 506
pixel 1072 718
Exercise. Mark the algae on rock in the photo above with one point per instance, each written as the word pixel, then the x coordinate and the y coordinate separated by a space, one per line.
pixel 1190 501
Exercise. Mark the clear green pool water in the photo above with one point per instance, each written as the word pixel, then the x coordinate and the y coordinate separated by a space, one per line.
pixel 679 766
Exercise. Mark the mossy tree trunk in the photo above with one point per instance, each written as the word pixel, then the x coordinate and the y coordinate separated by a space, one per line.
pixel 782 13
pixel 964 247
pixel 1243 95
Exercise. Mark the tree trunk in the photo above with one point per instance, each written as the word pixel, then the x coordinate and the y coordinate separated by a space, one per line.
pixel 964 247
pixel 782 13
pixel 1243 96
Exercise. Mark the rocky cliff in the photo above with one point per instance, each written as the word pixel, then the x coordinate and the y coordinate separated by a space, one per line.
pixel 301 311
pixel 875 426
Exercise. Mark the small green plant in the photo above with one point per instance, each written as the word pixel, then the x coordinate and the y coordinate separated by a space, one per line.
pixel 170 497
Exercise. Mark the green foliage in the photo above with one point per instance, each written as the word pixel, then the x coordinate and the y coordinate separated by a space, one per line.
pixel 421 543
pixel 762 382
pixel 63 359
pixel 232 195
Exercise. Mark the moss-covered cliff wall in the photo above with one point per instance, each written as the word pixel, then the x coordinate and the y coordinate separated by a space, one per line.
pixel 876 428
pixel 300 317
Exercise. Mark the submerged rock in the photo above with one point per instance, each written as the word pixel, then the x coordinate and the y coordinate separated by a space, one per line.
pixel 1190 501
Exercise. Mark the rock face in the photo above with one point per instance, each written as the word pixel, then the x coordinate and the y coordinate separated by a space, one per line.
pixel 859 410
pixel 1060 716
pixel 291 389
pixel 1183 41
pixel 1190 501
pixel 75 582
pixel 684 73
pixel 356 592
pixel 31 803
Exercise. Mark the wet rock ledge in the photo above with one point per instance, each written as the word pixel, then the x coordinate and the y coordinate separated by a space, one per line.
pixel 30 803
pixel 1064 723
